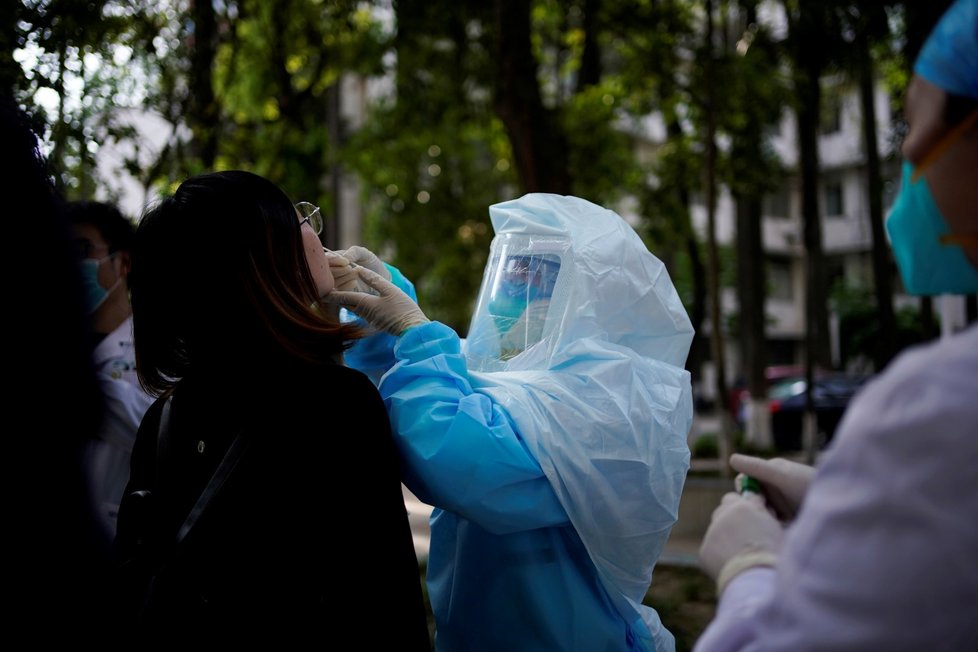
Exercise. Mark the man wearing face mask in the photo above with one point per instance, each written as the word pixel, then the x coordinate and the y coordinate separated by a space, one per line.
pixel 517 304
pixel 876 548
pixel 102 238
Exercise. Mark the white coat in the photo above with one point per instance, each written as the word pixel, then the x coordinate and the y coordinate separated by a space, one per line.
pixel 106 458
pixel 884 552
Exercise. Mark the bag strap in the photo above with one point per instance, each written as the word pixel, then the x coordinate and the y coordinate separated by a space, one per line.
pixel 162 438
pixel 230 460
pixel 221 473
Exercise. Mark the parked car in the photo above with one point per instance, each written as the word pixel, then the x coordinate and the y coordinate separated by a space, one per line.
pixel 739 395
pixel 831 395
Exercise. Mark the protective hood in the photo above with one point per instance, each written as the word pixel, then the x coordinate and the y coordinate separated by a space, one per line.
pixel 949 57
pixel 597 389
pixel 607 285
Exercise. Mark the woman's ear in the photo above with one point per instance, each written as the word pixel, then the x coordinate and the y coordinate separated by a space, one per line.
pixel 924 110
pixel 125 263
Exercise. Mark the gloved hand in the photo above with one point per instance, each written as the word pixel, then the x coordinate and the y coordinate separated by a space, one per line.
pixel 344 278
pixel 742 535
pixel 342 264
pixel 364 257
pixel 389 310
pixel 783 482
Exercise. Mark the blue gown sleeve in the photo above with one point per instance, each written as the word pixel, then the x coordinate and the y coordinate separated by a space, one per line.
pixel 459 448
pixel 374 354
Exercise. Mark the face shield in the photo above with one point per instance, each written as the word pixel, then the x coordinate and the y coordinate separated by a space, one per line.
pixel 516 308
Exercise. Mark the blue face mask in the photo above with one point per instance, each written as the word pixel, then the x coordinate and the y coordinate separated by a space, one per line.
pixel 915 226
pixel 509 304
pixel 94 294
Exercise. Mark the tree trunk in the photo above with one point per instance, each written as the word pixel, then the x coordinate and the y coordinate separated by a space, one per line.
pixel 540 148
pixel 751 295
pixel 885 347
pixel 590 71
pixel 60 128
pixel 698 349
pixel 816 313
pixel 725 443
pixel 85 165
pixel 808 94
pixel 331 233
pixel 202 113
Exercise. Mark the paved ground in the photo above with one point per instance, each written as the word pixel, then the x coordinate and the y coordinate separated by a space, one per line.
pixel 680 551
pixel 418 514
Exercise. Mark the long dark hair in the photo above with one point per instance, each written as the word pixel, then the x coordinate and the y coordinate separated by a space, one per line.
pixel 219 277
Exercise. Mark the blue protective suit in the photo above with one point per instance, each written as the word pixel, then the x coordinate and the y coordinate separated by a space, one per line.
pixel 556 481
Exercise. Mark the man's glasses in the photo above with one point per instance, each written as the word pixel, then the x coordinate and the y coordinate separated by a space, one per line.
pixel 310 213
pixel 84 248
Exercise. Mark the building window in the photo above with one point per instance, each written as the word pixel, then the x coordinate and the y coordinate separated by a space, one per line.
pixel 834 270
pixel 779 280
pixel 777 204
pixel 890 189
pixel 830 120
pixel 834 206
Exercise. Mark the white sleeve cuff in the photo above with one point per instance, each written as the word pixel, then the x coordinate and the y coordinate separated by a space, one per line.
pixel 739 563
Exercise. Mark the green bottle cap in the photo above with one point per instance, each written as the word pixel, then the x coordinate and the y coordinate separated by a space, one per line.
pixel 747 483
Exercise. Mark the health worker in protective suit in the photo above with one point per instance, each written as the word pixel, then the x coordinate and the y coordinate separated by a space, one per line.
pixel 553 444
pixel 876 548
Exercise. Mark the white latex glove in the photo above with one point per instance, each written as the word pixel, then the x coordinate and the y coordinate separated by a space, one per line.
pixel 364 257
pixel 344 278
pixel 389 310
pixel 742 535
pixel 344 262
pixel 783 482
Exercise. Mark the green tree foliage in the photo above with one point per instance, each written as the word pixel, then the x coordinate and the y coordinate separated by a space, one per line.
pixel 428 186
pixel 434 157
pixel 752 170
pixel 62 60
pixel 484 101
pixel 859 340
pixel 755 90
pixel 273 68
pixel 456 92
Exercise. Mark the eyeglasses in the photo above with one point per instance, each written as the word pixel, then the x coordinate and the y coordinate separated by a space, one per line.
pixel 84 248
pixel 310 213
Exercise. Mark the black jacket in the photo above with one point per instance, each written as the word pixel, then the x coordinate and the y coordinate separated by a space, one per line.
pixel 307 542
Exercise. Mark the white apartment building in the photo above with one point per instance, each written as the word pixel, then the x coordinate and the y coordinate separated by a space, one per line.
pixel 845 221
pixel 843 202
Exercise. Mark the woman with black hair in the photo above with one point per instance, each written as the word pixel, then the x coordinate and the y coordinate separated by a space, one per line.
pixel 276 482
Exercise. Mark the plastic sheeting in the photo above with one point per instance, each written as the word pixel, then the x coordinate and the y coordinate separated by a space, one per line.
pixel 556 476
pixel 603 401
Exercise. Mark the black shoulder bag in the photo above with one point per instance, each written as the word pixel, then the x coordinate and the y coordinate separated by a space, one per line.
pixel 151 552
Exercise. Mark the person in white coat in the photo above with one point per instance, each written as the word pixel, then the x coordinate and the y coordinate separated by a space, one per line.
pixel 102 238
pixel 880 551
